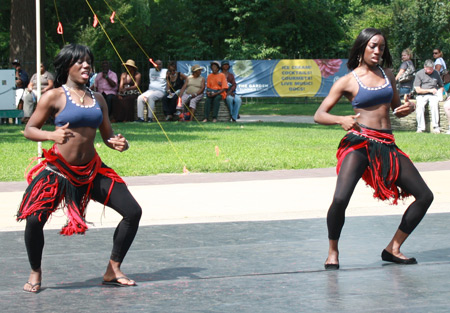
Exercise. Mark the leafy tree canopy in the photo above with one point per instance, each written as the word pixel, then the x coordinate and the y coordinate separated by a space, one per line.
pixel 239 29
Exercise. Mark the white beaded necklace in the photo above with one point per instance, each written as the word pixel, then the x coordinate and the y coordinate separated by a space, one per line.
pixel 373 88
pixel 66 89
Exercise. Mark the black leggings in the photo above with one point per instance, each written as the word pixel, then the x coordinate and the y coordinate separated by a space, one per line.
pixel 352 169
pixel 120 200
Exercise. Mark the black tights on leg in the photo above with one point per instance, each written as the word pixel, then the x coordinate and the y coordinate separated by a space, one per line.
pixel 123 203
pixel 410 180
pixel 34 239
pixel 352 168
pixel 351 171
pixel 120 200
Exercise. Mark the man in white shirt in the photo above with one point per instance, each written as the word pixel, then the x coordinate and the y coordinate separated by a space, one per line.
pixel 156 90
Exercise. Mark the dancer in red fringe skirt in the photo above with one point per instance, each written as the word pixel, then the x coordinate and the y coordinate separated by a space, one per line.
pixel 368 150
pixel 71 172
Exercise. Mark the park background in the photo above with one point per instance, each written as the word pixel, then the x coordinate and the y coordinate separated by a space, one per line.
pixel 216 30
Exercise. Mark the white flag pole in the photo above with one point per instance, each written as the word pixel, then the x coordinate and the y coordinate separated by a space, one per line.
pixel 38 60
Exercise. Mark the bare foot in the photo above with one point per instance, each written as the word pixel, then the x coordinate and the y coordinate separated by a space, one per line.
pixel 115 276
pixel 34 281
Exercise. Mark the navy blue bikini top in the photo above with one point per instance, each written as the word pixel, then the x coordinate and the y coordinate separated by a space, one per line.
pixel 371 96
pixel 78 115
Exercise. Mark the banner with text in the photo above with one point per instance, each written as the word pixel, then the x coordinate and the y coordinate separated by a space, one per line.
pixel 279 78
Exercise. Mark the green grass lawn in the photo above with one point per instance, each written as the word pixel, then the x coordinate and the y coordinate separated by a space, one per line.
pixel 242 147
pixel 290 106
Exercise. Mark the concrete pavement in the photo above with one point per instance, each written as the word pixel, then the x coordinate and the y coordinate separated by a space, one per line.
pixel 254 196
pixel 236 242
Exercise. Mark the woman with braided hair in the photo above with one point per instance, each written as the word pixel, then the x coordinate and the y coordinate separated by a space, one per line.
pixel 368 150
pixel 71 172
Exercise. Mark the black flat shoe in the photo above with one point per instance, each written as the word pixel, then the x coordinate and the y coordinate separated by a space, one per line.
pixel 330 267
pixel 389 257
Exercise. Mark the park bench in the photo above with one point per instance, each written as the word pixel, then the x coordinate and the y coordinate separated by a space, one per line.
pixel 14 114
pixel 224 112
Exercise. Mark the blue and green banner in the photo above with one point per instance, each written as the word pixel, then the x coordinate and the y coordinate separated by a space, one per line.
pixel 279 78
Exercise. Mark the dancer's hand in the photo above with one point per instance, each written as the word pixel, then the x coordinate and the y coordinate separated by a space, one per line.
pixel 350 122
pixel 405 109
pixel 62 134
pixel 119 143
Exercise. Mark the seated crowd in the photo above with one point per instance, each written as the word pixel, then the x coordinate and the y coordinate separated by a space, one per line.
pixel 179 94
pixel 430 85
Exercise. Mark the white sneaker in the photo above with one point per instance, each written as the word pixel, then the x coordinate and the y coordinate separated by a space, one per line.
pixel 436 131
pixel 448 132
pixel 419 131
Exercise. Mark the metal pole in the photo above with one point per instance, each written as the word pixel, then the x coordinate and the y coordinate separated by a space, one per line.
pixel 38 60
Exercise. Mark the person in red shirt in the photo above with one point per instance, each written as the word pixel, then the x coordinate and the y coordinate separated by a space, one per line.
pixel 216 86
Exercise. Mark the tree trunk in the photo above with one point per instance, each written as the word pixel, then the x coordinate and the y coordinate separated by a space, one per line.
pixel 23 34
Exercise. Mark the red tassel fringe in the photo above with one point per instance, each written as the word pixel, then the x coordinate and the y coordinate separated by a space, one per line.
pixel 383 185
pixel 47 194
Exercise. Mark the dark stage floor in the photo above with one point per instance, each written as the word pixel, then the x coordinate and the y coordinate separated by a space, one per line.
pixel 274 266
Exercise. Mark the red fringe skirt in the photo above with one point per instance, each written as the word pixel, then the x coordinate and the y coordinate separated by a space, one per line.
pixel 54 184
pixel 383 169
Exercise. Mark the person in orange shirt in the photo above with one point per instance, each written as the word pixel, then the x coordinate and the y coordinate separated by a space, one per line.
pixel 216 86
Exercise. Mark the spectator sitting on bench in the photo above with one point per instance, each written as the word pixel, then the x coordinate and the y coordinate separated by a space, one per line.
pixel 192 91
pixel 233 100
pixel 106 83
pixel 216 85
pixel 405 76
pixel 123 105
pixel 29 100
pixel 156 90
pixel 175 81
pixel 427 85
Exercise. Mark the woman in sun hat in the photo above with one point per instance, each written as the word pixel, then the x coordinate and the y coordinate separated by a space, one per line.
pixel 192 91
pixel 124 104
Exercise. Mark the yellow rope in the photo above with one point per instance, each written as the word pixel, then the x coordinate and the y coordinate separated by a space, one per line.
pixel 124 26
pixel 148 57
pixel 143 51
pixel 148 106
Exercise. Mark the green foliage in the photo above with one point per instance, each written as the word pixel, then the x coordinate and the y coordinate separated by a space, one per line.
pixel 199 29
pixel 238 29
pixel 77 19
pixel 283 29
pixel 378 16
pixel 421 25
pixel 5 13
